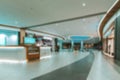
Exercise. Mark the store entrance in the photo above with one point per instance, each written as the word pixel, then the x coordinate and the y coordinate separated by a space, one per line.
pixel 77 46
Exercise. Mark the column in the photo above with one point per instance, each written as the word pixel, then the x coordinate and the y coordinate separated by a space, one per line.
pixel 22 35
pixel 60 45
pixel 117 39
pixel 81 47
pixel 72 45
pixel 53 44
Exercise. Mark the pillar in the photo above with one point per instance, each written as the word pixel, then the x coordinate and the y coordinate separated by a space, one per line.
pixel 53 44
pixel 81 45
pixel 22 35
pixel 72 45
pixel 117 39
pixel 60 44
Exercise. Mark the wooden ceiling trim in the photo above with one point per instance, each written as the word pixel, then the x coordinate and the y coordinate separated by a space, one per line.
pixel 107 17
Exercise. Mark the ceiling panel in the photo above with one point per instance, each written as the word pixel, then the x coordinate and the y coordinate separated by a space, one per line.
pixel 24 13
pixel 85 26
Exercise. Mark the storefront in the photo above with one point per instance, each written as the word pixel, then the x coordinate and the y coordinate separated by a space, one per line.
pixel 77 46
pixel 9 46
pixel 9 37
pixel 66 45
pixel 108 41
pixel 30 46
pixel 45 43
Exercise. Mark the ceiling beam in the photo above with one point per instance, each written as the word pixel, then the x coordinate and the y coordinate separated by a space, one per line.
pixel 15 27
pixel 47 33
pixel 9 26
pixel 65 20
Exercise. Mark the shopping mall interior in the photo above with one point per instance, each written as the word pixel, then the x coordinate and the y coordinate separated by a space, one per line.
pixel 59 40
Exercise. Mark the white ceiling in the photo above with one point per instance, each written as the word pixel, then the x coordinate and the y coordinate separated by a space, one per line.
pixel 23 13
pixel 84 27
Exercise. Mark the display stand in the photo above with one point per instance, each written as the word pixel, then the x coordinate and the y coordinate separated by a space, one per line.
pixel 32 53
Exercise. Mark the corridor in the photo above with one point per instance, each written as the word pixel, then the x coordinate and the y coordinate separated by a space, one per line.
pixel 87 65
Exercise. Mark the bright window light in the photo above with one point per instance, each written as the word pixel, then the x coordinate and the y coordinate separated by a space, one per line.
pixel 2 39
pixel 2 35
pixel 45 57
pixel 14 37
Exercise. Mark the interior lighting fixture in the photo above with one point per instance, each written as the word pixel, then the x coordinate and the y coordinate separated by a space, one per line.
pixel 83 4
pixel 56 24
pixel 12 61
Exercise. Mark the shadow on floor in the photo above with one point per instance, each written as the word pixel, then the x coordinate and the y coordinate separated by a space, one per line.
pixel 75 71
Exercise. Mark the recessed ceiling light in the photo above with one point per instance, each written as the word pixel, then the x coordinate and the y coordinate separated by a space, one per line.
pixel 83 19
pixel 56 24
pixel 83 4
pixel 16 22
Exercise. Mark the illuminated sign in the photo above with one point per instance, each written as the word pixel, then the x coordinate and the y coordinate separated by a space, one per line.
pixel 29 40
pixel 2 39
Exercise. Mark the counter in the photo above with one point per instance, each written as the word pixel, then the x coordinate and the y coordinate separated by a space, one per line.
pixel 19 53
pixel 12 53
pixel 45 51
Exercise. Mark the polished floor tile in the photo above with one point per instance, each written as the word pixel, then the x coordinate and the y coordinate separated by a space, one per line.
pixel 102 68
pixel 76 71
pixel 27 71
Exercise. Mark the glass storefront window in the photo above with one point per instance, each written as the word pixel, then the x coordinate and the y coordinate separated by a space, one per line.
pixel 8 37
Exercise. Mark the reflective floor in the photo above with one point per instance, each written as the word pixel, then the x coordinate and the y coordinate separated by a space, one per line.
pixel 78 70
pixel 103 68
pixel 99 68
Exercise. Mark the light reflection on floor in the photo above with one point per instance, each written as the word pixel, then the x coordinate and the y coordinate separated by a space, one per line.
pixel 12 61
pixel 46 57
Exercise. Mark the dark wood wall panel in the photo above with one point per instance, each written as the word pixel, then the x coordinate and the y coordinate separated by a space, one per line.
pixel 117 39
